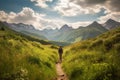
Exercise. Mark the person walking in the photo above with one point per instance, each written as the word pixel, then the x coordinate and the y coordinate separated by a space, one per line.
pixel 60 51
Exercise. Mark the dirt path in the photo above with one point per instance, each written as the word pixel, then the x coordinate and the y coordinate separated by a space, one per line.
pixel 60 73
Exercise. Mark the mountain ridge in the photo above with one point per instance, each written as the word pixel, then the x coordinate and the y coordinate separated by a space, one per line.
pixel 66 33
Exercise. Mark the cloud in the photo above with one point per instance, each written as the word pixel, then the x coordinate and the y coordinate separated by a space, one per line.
pixel 112 10
pixel 76 7
pixel 113 15
pixel 65 8
pixel 41 3
pixel 26 16
pixel 29 16
pixel 113 5
pixel 79 24
pixel 3 16
pixel 88 3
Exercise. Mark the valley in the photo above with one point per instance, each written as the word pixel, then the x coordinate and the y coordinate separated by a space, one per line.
pixel 66 33
pixel 90 53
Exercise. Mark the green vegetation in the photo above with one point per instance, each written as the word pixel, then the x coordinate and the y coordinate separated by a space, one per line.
pixel 94 59
pixel 26 58
pixel 34 35
pixel 22 58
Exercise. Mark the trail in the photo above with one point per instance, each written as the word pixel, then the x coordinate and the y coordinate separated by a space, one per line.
pixel 60 73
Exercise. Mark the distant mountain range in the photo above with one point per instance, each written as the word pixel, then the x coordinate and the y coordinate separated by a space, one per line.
pixel 26 29
pixel 65 33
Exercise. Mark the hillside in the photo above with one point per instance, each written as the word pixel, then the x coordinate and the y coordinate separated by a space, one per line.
pixel 94 59
pixel 25 58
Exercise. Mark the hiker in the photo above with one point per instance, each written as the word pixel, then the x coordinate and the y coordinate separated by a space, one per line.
pixel 60 51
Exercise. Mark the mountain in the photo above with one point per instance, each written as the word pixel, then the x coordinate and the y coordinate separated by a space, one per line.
pixel 94 59
pixel 57 34
pixel 95 26
pixel 66 33
pixel 83 33
pixel 110 24
pixel 26 29
pixel 65 28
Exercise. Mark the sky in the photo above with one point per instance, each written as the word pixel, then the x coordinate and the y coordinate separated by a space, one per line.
pixel 55 13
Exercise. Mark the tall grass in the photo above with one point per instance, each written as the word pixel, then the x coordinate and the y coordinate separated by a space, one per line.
pixel 23 59
pixel 94 59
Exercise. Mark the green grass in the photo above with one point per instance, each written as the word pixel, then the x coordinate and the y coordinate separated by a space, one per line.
pixel 94 59
pixel 22 58
pixel 25 58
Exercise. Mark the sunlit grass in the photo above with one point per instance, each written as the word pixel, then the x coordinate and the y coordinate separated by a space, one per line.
pixel 23 59
pixel 94 59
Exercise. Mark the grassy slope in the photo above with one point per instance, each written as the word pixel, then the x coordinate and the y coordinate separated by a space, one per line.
pixel 24 59
pixel 94 59
pixel 34 35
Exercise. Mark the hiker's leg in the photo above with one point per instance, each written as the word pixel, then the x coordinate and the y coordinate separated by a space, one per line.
pixel 60 57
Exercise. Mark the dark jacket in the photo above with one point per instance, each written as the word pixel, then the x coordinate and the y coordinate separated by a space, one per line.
pixel 60 51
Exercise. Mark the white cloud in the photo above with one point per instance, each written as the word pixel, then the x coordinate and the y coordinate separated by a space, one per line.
pixel 29 16
pixel 26 16
pixel 41 3
pixel 79 24
pixel 68 9
pixel 111 15
pixel 3 16
pixel 77 7
pixel 72 8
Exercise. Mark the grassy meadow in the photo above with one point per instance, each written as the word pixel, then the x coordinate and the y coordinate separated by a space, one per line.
pixel 22 58
pixel 26 58
pixel 94 59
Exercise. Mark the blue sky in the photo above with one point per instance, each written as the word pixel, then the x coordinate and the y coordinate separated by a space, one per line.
pixel 55 13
